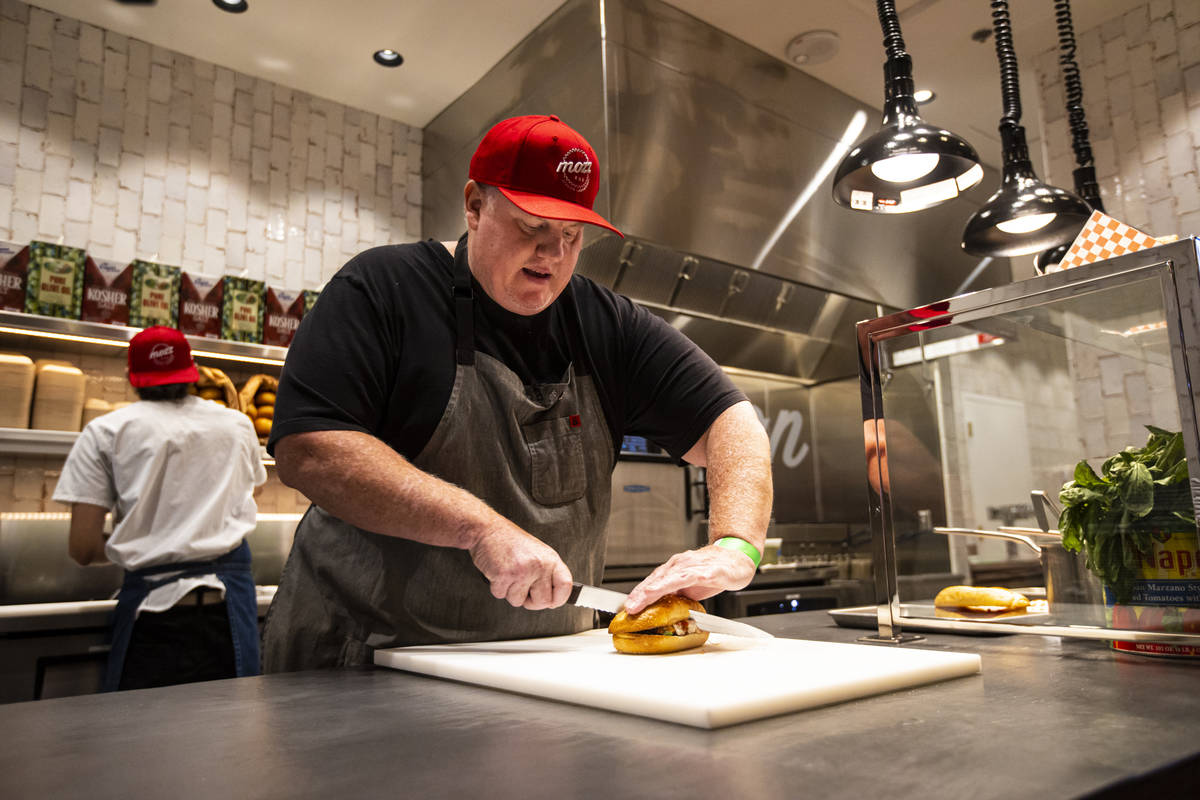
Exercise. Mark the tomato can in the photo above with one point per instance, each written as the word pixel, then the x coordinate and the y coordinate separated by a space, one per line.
pixel 1166 597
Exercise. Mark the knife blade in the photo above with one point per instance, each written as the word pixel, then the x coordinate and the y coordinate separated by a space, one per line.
pixel 613 602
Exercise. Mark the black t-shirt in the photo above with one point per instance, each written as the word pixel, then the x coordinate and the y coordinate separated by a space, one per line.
pixel 376 354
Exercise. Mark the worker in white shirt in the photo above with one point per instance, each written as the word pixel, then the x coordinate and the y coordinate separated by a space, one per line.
pixel 178 474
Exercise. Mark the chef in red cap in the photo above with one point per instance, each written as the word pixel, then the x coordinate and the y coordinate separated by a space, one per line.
pixel 178 474
pixel 453 410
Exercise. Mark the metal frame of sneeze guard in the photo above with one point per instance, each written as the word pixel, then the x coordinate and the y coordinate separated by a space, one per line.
pixel 1177 268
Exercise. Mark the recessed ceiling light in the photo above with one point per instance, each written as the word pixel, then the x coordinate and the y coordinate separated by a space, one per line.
pixel 388 58
pixel 923 96
pixel 232 6
pixel 812 47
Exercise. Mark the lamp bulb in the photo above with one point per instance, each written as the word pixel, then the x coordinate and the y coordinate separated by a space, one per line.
pixel 1026 224
pixel 905 168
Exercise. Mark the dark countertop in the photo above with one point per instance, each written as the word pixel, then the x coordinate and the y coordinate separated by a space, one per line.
pixel 1047 717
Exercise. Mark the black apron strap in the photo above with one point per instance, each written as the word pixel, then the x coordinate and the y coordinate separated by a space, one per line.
pixel 464 307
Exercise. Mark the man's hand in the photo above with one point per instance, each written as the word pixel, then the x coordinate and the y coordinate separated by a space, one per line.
pixel 698 574
pixel 521 568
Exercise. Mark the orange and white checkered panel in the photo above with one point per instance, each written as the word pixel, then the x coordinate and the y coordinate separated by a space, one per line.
pixel 1104 237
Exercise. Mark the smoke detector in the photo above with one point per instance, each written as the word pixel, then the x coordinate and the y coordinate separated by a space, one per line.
pixel 812 47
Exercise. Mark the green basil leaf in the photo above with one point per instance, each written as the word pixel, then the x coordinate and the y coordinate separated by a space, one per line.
pixel 1085 476
pixel 1137 490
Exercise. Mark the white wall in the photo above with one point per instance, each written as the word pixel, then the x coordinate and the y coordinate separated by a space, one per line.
pixel 130 150
pixel 1141 96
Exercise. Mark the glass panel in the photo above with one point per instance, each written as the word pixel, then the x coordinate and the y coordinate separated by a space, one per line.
pixel 982 417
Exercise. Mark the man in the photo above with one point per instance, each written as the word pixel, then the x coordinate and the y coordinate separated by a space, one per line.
pixel 178 472
pixel 454 411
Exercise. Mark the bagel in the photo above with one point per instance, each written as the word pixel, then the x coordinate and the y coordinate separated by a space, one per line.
pixel 980 598
pixel 661 627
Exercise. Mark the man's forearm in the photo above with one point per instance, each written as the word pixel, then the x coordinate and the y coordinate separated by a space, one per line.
pixel 361 480
pixel 738 458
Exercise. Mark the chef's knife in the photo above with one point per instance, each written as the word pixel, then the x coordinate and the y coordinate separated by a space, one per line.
pixel 613 602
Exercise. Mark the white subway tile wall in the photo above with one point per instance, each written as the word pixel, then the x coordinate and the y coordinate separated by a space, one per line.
pixel 131 150
pixel 1141 97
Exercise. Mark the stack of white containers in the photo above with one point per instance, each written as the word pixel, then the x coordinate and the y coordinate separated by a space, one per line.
pixel 94 407
pixel 16 390
pixel 58 396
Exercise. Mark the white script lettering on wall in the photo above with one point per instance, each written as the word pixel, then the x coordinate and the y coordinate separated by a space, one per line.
pixel 787 428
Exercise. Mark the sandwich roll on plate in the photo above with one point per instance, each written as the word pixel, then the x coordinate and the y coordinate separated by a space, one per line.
pixel 980 598
pixel 661 627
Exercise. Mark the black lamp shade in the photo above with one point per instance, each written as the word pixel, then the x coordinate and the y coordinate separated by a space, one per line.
pixel 1047 260
pixel 908 164
pixel 856 184
pixel 1024 215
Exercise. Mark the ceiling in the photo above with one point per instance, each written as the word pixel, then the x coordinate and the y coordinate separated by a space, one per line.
pixel 325 47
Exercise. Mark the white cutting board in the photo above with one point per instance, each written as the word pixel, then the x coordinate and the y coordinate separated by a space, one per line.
pixel 728 680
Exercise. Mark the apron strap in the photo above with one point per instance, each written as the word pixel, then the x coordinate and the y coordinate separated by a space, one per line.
pixel 464 307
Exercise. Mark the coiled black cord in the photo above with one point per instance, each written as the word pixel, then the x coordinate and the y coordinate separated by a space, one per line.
pixel 1085 172
pixel 1010 86
pixel 890 22
pixel 1072 84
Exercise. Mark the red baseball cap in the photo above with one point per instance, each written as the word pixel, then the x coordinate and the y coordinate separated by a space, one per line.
pixel 160 355
pixel 543 166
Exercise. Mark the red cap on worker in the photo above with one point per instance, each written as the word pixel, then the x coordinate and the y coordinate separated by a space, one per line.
pixel 543 166
pixel 160 355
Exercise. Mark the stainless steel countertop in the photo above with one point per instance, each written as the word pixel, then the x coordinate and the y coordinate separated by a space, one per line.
pixel 1046 718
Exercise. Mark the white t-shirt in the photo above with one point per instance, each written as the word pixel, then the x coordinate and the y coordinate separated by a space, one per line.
pixel 179 477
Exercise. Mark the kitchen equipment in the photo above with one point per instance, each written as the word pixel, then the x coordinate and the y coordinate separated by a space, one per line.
pixel 728 680
pixel 1074 594
pixel 1029 379
pixel 868 617
pixel 1045 510
pixel 649 493
pixel 613 602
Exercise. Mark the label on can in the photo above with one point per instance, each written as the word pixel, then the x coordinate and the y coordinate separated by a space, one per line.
pixel 1166 597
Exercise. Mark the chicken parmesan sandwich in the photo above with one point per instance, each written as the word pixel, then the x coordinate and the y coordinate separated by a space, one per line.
pixel 987 599
pixel 661 627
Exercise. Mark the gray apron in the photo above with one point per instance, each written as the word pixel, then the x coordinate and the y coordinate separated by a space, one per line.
pixel 540 455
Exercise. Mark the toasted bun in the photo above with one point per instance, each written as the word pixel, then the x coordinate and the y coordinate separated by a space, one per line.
pixel 662 612
pixel 644 643
pixel 980 598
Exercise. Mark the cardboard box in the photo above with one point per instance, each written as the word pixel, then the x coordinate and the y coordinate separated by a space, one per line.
pixel 14 264
pixel 154 295
pixel 284 309
pixel 200 305
pixel 106 291
pixel 54 281
pixel 242 310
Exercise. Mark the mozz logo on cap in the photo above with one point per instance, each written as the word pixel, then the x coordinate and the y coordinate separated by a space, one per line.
pixel 575 169
pixel 162 354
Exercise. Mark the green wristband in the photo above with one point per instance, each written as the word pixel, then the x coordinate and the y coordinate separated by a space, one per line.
pixel 741 545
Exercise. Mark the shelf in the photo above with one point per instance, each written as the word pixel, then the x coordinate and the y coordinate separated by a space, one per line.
pixel 37 443
pixel 97 333
pixel 22 441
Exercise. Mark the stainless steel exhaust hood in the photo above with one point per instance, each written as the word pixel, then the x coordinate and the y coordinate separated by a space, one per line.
pixel 705 143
